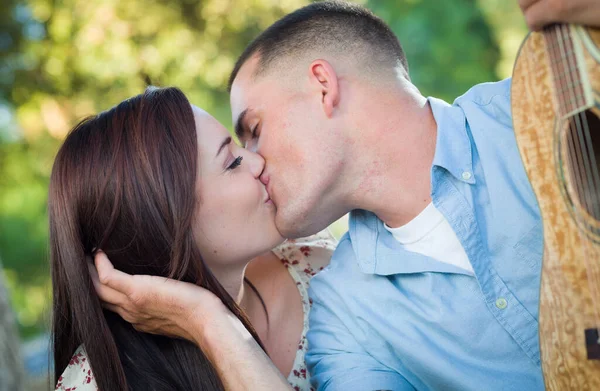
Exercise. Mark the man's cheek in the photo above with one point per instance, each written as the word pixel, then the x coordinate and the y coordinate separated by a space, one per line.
pixel 292 156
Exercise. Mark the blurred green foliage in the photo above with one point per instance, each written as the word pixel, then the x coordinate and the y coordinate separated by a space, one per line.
pixel 63 60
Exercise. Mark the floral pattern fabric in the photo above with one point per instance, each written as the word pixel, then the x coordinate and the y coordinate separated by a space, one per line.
pixel 303 258
pixel 78 374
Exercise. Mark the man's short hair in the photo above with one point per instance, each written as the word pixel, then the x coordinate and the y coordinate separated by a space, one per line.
pixel 334 26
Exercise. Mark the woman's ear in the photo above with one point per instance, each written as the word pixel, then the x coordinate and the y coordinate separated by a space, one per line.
pixel 323 77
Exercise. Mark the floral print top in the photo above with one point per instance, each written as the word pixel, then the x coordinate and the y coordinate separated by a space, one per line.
pixel 303 258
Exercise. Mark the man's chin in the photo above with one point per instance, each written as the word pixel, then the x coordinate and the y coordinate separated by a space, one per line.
pixel 288 227
pixel 294 227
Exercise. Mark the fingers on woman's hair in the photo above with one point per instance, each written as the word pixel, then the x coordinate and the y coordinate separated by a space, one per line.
pixel 112 277
pixel 109 295
pixel 104 292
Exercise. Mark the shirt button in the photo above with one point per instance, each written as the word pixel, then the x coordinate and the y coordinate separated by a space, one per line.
pixel 466 175
pixel 501 303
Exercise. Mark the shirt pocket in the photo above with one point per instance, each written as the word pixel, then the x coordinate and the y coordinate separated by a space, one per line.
pixel 530 248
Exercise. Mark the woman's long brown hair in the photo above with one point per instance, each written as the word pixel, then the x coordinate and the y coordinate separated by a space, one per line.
pixel 124 181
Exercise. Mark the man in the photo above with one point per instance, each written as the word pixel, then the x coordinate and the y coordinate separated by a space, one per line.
pixel 436 285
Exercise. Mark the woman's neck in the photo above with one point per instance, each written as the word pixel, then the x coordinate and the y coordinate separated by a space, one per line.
pixel 232 279
pixel 255 309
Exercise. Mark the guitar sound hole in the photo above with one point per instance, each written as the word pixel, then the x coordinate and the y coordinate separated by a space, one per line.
pixel 583 161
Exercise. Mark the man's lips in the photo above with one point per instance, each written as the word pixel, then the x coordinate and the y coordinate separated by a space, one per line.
pixel 265 181
pixel 268 195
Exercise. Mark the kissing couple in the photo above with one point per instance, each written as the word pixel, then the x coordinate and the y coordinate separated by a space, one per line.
pixel 183 259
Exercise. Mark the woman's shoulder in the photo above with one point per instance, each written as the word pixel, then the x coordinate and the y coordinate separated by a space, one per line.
pixel 78 374
pixel 309 254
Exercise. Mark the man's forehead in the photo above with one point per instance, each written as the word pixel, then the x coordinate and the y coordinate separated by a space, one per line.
pixel 239 99
pixel 242 86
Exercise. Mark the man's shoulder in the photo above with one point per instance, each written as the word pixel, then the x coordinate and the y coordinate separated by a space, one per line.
pixel 485 93
pixel 486 105
pixel 342 269
pixel 341 260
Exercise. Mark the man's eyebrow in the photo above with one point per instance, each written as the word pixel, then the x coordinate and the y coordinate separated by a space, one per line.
pixel 239 124
pixel 225 143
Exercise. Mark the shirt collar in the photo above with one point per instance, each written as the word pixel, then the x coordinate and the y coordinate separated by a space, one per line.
pixel 453 145
pixel 377 252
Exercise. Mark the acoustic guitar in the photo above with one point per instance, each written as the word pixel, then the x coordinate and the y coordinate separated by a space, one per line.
pixel 556 115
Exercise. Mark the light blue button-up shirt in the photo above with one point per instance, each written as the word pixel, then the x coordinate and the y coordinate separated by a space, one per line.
pixel 387 318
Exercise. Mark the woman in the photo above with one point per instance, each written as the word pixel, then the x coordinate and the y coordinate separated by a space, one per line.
pixel 158 185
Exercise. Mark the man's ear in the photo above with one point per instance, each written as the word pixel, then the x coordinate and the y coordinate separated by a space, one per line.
pixel 325 81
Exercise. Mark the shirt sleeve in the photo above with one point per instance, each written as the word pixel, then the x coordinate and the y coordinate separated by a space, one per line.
pixel 337 362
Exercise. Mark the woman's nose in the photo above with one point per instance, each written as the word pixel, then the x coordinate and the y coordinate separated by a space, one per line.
pixel 256 163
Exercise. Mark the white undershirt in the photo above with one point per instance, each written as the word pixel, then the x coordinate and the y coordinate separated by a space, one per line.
pixel 430 234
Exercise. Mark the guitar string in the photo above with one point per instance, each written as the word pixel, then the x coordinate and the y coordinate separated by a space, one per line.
pixel 583 161
pixel 561 86
pixel 579 119
pixel 585 140
pixel 560 80
pixel 595 180
pixel 595 198
pixel 587 247
pixel 574 157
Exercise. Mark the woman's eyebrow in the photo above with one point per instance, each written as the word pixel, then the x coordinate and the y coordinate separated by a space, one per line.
pixel 225 143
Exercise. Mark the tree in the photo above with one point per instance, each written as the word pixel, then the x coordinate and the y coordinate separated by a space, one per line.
pixel 61 61
pixel 448 44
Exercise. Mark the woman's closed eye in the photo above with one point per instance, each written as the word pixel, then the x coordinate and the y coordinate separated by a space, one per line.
pixel 236 163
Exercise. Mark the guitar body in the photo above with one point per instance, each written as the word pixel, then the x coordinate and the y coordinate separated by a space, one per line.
pixel 554 145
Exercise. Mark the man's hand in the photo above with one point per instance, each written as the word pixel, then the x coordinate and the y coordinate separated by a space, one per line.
pixel 154 304
pixel 539 13
pixel 164 306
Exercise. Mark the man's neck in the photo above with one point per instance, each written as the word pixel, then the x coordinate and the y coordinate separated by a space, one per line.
pixel 392 161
